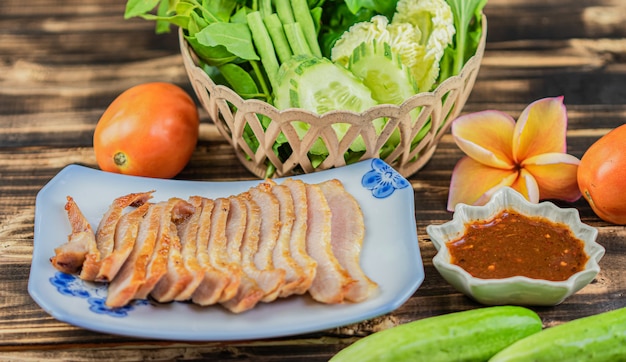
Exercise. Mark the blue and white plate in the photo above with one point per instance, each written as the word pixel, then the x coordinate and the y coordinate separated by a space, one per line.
pixel 390 256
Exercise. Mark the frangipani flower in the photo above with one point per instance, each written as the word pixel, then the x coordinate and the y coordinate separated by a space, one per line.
pixel 529 156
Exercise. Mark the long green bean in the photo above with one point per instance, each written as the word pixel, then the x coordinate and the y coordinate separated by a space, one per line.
pixel 283 8
pixel 303 16
pixel 296 38
pixel 281 45
pixel 264 46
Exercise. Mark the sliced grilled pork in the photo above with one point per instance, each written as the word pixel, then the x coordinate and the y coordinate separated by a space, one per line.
pixel 217 249
pixel 105 233
pixel 248 294
pixel 268 234
pixel 215 281
pixel 269 280
pixel 173 210
pixel 282 256
pixel 124 286
pixel 125 236
pixel 69 257
pixel 297 242
pixel 188 232
pixel 348 232
pixel 273 240
pixel 331 280
pixel 177 276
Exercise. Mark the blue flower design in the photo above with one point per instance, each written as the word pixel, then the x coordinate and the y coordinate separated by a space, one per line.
pixel 383 180
pixel 70 285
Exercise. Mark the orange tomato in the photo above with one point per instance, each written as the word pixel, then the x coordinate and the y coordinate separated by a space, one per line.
pixel 149 130
pixel 602 176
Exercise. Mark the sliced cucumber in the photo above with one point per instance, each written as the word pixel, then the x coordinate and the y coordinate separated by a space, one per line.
pixel 390 81
pixel 319 85
pixel 382 71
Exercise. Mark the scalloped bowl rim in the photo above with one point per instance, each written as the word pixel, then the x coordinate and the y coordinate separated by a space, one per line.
pixel 507 198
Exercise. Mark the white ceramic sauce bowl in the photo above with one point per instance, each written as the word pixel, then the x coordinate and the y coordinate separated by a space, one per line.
pixel 517 290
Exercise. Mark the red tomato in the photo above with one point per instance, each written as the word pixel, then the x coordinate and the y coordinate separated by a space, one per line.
pixel 602 176
pixel 149 130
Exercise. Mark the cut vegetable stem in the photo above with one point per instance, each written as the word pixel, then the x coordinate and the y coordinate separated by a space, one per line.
pixel 261 78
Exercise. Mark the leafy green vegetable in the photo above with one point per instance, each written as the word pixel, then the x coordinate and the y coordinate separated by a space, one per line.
pixel 467 22
pixel 376 29
pixel 239 80
pixel 336 19
pixel 279 51
pixel 235 37
pixel 139 7
pixel 435 21
pixel 419 31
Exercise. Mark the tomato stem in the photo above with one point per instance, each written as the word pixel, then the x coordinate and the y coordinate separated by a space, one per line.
pixel 119 158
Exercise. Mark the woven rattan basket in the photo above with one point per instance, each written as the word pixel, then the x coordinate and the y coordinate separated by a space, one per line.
pixel 231 114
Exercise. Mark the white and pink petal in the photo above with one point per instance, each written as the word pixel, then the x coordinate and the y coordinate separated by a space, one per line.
pixel 541 128
pixel 555 174
pixel 486 137
pixel 473 183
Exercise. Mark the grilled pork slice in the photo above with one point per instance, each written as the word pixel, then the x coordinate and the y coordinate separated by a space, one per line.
pixel 188 232
pixel 217 249
pixel 174 210
pixel 210 288
pixel 282 256
pixel 348 232
pixel 125 236
pixel 269 280
pixel 297 242
pixel 248 294
pixel 331 280
pixel 177 276
pixel 69 257
pixel 105 233
pixel 124 286
pixel 268 233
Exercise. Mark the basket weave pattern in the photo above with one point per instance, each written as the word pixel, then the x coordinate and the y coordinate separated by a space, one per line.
pixel 231 114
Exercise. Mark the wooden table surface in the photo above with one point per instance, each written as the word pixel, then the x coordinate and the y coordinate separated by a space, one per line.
pixel 62 63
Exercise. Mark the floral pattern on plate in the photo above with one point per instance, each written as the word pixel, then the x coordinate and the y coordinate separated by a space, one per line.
pixel 383 180
pixel 94 293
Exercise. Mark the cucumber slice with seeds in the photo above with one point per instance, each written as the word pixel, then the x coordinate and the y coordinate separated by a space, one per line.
pixel 382 71
pixel 319 85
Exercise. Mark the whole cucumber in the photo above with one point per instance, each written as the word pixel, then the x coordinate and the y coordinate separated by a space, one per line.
pixel 600 337
pixel 473 335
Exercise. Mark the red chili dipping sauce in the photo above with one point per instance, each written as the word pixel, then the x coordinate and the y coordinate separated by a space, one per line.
pixel 512 244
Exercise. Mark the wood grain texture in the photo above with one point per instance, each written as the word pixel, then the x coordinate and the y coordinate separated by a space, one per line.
pixel 62 63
